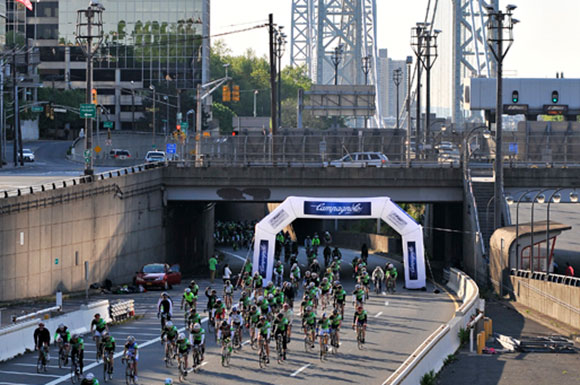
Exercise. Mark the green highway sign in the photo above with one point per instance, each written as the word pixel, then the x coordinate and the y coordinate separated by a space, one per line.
pixel 108 124
pixel 184 125
pixel 37 108
pixel 88 110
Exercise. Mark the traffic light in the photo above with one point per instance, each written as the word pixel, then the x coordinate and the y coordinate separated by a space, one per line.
pixel 236 94
pixel 555 97
pixel 226 94
pixel 51 113
pixel 515 97
pixel 94 96
pixel 178 127
pixel 234 132
pixel 47 108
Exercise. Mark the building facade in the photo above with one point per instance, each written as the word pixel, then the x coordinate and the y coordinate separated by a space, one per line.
pixel 146 44
pixel 388 89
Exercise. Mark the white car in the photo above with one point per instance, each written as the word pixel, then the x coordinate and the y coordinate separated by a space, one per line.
pixel 119 154
pixel 361 159
pixel 27 155
pixel 155 156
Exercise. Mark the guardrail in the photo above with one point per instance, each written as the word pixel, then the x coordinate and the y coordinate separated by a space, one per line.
pixel 122 310
pixel 36 314
pixel 549 277
pixel 443 341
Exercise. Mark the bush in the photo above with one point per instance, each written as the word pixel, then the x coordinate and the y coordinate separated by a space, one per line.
pixel 463 335
pixel 449 359
pixel 428 378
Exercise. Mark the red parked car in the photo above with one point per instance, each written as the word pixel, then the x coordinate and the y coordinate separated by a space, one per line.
pixel 158 275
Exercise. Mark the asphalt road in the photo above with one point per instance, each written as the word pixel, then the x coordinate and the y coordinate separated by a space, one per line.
pixel 398 323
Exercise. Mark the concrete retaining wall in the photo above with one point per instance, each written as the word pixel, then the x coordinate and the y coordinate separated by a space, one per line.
pixel 18 338
pixel 445 340
pixel 115 224
pixel 556 300
pixel 375 242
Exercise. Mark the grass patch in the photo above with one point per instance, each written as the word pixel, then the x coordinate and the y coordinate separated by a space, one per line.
pixel 463 335
pixel 428 378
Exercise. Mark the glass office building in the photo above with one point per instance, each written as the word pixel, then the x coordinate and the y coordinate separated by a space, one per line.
pixel 145 42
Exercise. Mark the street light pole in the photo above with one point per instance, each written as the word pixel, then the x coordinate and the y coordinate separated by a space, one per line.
pixel 89 26
pixel 397 78
pixel 366 67
pixel 409 128
pixel 152 88
pixel 280 46
pixel 495 42
pixel 255 96
pixel 336 58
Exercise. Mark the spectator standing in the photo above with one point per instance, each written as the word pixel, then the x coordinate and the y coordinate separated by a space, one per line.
pixel 227 273
pixel 569 269
pixel 212 267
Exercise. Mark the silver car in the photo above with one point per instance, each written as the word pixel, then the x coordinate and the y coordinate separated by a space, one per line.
pixel 361 159
pixel 155 156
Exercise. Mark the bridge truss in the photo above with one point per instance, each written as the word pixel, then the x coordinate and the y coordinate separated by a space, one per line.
pixel 319 26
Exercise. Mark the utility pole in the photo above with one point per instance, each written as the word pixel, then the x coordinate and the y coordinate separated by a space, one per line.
pixel 17 141
pixel 397 78
pixel 152 88
pixel 366 67
pixel 417 44
pixel 336 59
pixel 409 64
pixel 89 26
pixel 2 126
pixel 273 104
pixel 280 46
pixel 132 105
pixel 495 42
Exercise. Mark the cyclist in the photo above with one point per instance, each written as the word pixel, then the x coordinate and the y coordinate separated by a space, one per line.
pixel 365 280
pixel 360 319
pixel 378 277
pixel 219 311
pixel 335 322
pixel 391 273
pixel 78 350
pixel 264 306
pixel 264 334
pixel 132 350
pixel 98 326
pixel 339 298
pixel 189 299
pixel 169 334
pixel 358 296
pixel 225 333
pixel 41 339
pixel 198 338
pixel 336 268
pixel 192 318
pixel 183 348
pixel 306 302
pixel 212 297
pixel 307 245
pixel 194 288
pixel 278 273
pixel 281 324
pixel 254 317
pixel 90 380
pixel 270 289
pixel 289 293
pixel 164 308
pixel 108 348
pixel 325 287
pixel 309 323
pixel 236 321
pixel 323 331
pixel 289 315
pixel 258 282
pixel 336 254
pixel 315 244
pixel 228 293
pixel 247 283
pixel 245 303
pixel 62 338
pixel 295 274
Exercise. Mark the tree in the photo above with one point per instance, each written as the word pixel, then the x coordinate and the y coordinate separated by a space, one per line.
pixel 225 116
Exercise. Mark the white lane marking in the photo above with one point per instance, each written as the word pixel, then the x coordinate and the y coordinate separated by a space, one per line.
pixel 29 374
pixel 386 303
pixel 234 255
pixel 10 383
pixel 117 355
pixel 200 365
pixel 300 370
pixel 378 314
pixel 245 342
pixel 34 365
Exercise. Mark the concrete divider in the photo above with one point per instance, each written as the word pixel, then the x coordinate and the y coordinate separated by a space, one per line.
pixel 443 341
pixel 18 338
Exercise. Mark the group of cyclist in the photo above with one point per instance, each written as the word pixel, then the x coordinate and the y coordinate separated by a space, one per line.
pixel 71 346
pixel 235 234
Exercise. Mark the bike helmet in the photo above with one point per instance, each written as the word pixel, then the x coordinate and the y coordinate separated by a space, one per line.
pixel 260 299
pixel 130 339
pixel 335 312
pixel 168 381
pixel 307 274
pixel 89 376
pixel 325 279
pixel 41 324
pixel 254 308
pixel 280 316
pixel 224 324
pixel 105 334
pixel 228 282
pixel 196 327
pixel 61 326
pixel 219 301
pixel 169 324
pixel 213 291
pixel 324 315
pixel 181 337
pixel 359 308
pixel 164 294
pixel 75 337
pixel 357 286
pixel 308 308
pixel 192 283
pixel 187 290
pixel 270 296
pixel 311 284
pixel 234 309
pixel 314 275
pixel 286 306
pixel 244 294
pixel 270 284
pixel 262 318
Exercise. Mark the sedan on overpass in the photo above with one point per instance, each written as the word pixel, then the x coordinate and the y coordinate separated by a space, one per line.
pixel 158 275
pixel 361 159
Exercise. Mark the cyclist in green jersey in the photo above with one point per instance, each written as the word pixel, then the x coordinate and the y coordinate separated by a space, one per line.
pixel 194 288
pixel 198 338
pixel 247 283
pixel 358 295
pixel 264 334
pixel 335 322
pixel 108 342
pixel 183 348
pixel 193 317
pixel 339 297
pixel 62 338
pixel 281 328
pixel 391 276
pixel 254 317
pixel 78 349
pixel 306 302
pixel 90 380
pixel 309 323
pixel 258 282
pixel 188 298
pixel 323 331
pixel 169 333
pixel 360 319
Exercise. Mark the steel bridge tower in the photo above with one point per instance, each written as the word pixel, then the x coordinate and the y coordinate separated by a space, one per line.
pixel 471 55
pixel 319 26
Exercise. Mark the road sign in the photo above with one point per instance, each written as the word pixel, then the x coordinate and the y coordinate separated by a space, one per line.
pixel 107 124
pixel 37 109
pixel 108 142
pixel 56 261
pixel 98 149
pixel 60 110
pixel 184 125
pixel 513 148
pixel 88 110
pixel 171 148
pixel 87 153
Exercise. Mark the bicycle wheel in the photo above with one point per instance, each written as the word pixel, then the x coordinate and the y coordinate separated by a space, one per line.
pixel 73 372
pixel 279 347
pixel 359 339
pixel 39 364
pixel 106 370
pixel 196 360
pixel 128 374
pixel 262 358
pixel 182 370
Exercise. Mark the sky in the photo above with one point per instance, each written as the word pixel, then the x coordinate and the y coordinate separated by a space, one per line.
pixel 545 41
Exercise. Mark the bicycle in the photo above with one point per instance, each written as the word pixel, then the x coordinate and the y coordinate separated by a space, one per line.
pixel 108 366
pixel 359 337
pixel 262 357
pixel 75 373
pixel 62 354
pixel 196 358
pixel 226 351
pixel 237 342
pixel 340 307
pixel 164 318
pixel 378 286
pixel 280 347
pixel 99 345
pixel 42 359
pixel 334 340
pixel 181 367
pixel 390 285
pixel 308 340
pixel 129 370
pixel 169 353
pixel 323 347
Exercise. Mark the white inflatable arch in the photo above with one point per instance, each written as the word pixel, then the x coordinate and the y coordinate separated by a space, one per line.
pixel 341 208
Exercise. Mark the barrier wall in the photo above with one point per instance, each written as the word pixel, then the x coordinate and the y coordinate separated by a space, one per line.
pixel 445 340
pixel 17 339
